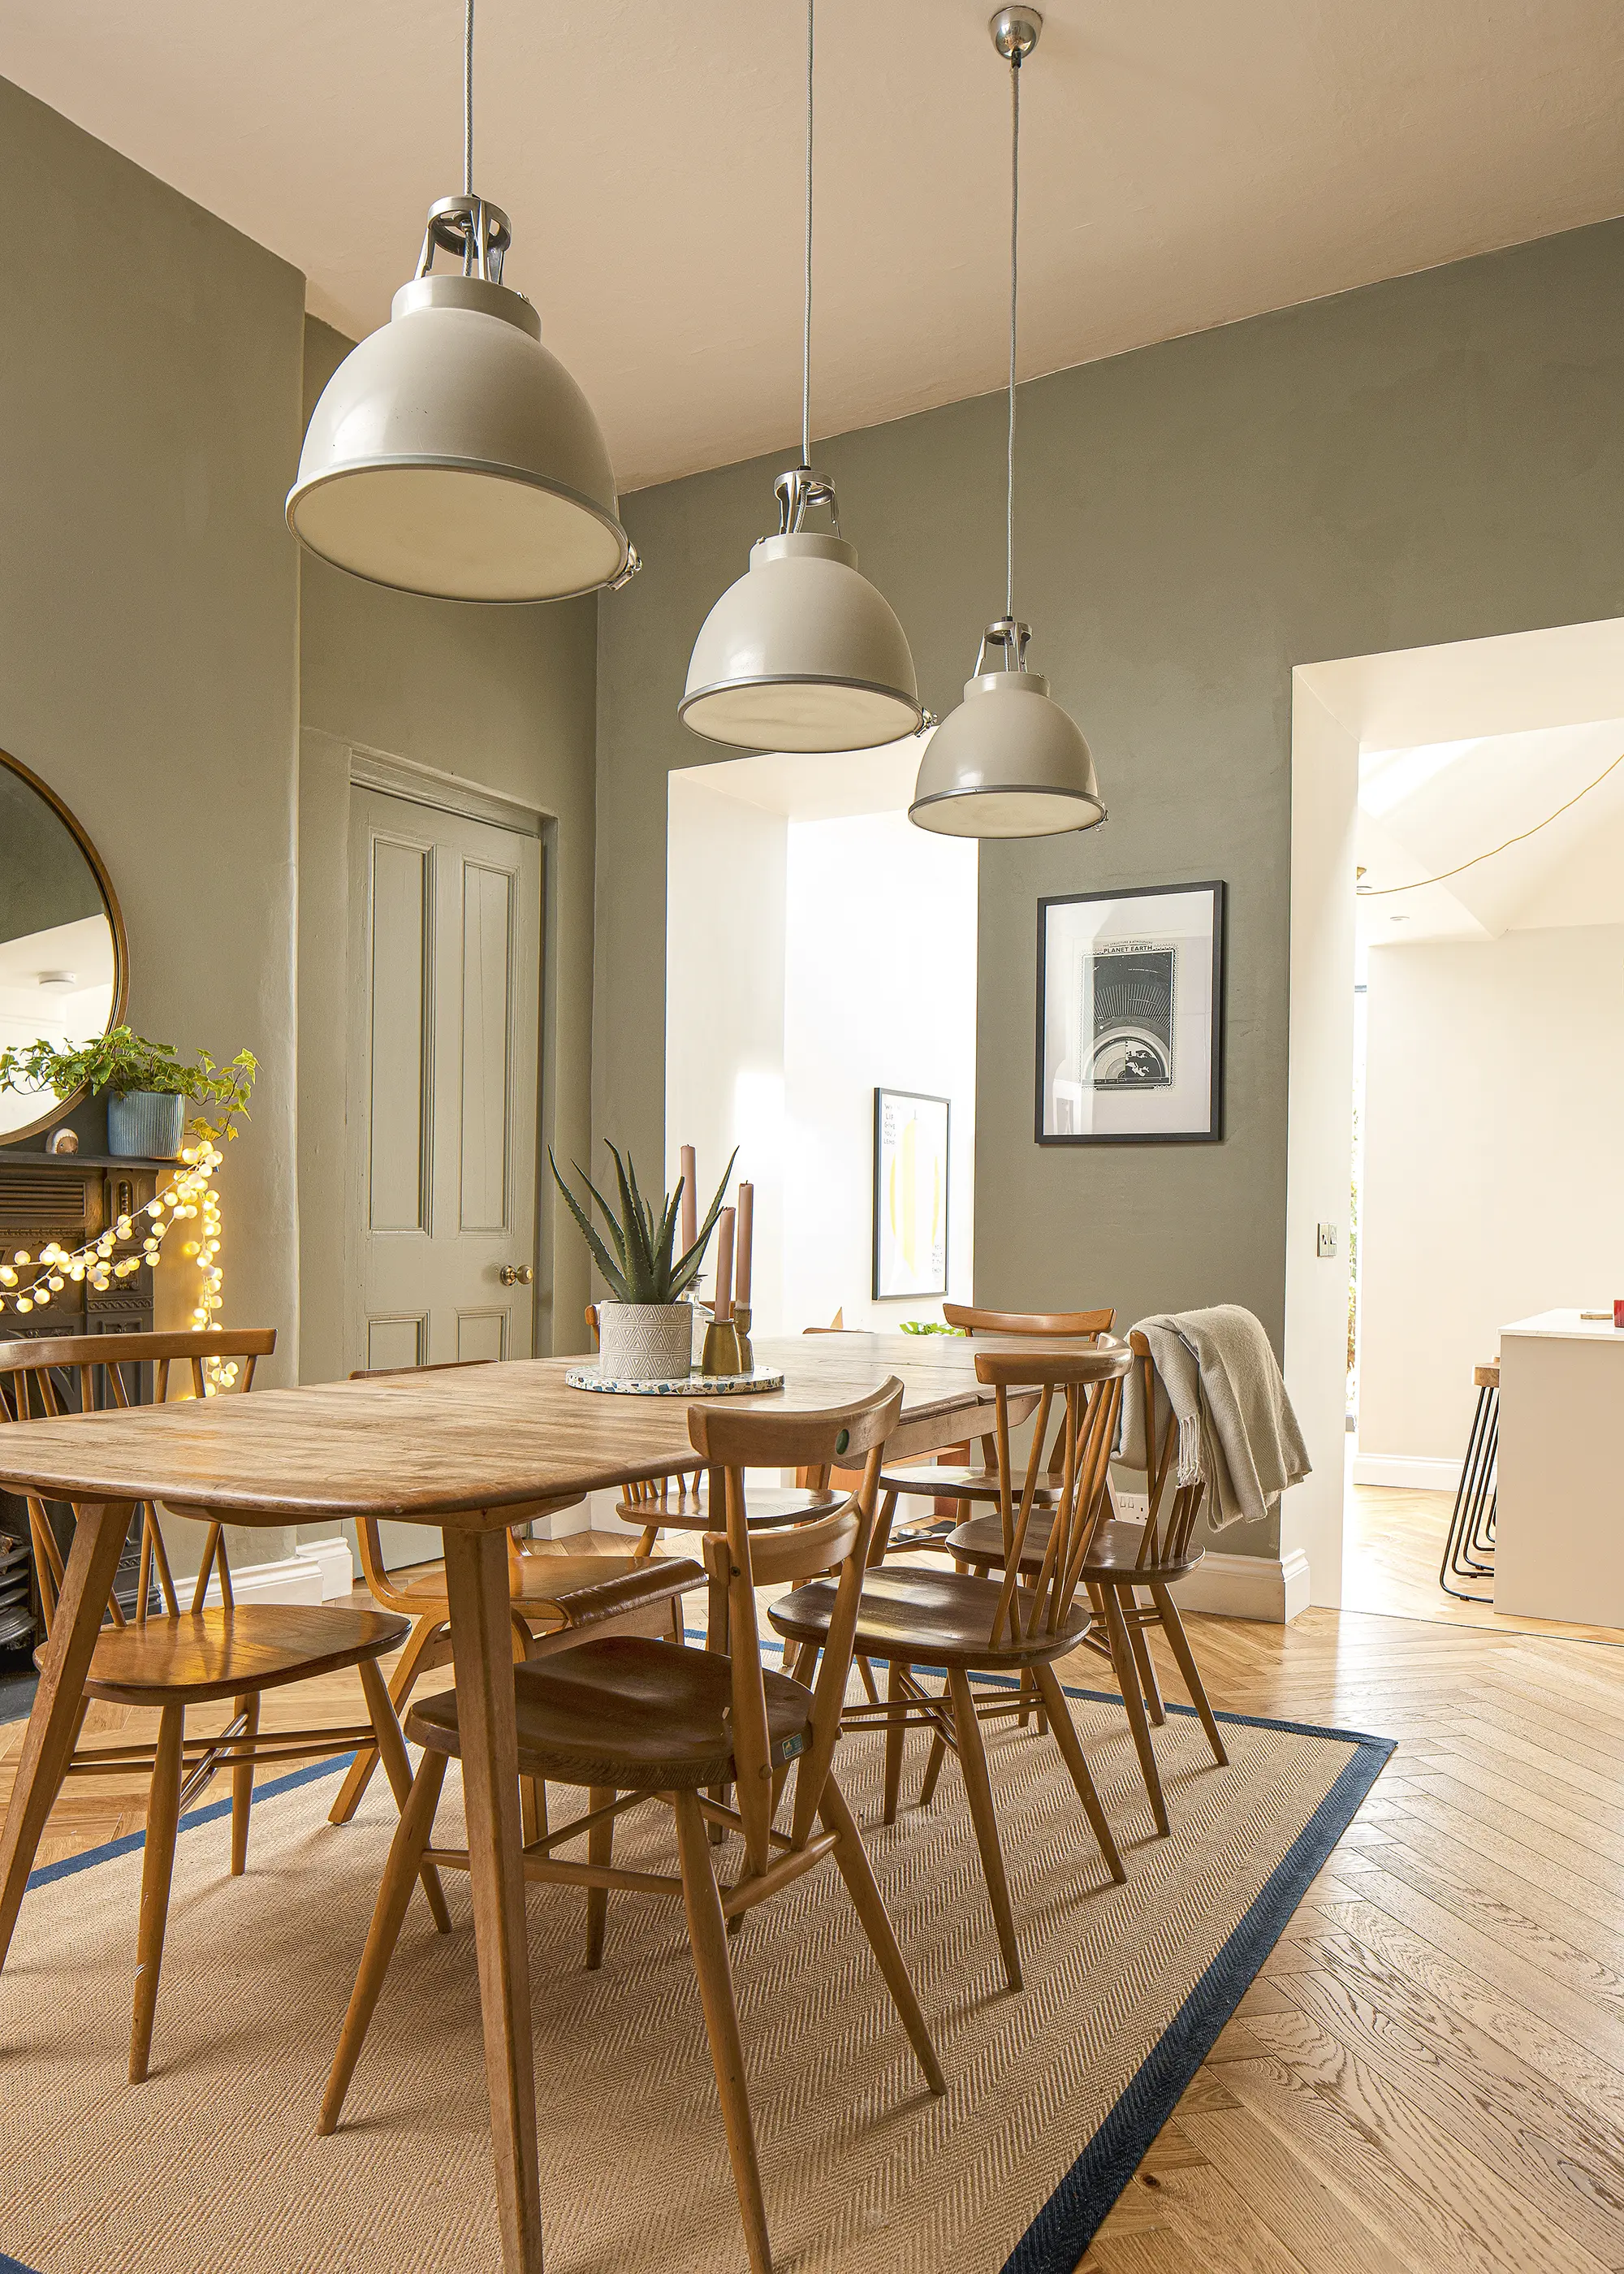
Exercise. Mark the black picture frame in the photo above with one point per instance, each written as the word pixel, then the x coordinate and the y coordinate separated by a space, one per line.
pixel 1216 892
pixel 920 1097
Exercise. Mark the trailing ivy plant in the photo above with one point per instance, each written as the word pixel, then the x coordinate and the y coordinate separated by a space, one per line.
pixel 122 1060
pixel 644 1267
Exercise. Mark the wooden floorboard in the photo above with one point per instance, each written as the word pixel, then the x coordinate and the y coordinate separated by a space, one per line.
pixel 1428 2075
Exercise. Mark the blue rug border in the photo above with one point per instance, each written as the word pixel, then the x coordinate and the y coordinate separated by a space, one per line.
pixel 1067 2224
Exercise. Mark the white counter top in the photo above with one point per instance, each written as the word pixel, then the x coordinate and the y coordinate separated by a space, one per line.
pixel 1567 1326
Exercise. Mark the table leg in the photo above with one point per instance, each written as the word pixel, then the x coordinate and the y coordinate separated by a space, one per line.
pixel 99 1537
pixel 482 1647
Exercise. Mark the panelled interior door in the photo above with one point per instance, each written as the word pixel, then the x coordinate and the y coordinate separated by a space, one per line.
pixel 445 947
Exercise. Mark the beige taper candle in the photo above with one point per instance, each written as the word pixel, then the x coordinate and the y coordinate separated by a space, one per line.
pixel 723 1306
pixel 746 1228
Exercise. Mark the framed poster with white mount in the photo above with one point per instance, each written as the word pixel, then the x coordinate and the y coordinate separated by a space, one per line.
pixel 910 1193
pixel 1130 1043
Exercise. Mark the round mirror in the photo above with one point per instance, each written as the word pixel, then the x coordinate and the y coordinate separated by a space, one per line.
pixel 63 959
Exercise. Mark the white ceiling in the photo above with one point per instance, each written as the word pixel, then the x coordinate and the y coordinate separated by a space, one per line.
pixel 1186 164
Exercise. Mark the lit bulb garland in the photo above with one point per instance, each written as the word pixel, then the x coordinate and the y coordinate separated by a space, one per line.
pixel 136 1242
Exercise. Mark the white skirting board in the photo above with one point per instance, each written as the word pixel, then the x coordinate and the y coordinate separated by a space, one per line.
pixel 322 1571
pixel 1406 1471
pixel 1274 1588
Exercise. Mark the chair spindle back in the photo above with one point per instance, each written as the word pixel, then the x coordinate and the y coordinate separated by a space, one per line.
pixel 731 1442
pixel 32 1388
pixel 1089 1387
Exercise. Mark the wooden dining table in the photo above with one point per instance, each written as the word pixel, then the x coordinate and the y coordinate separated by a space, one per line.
pixel 471 1452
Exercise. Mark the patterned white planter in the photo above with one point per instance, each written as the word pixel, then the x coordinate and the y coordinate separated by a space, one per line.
pixel 645 1342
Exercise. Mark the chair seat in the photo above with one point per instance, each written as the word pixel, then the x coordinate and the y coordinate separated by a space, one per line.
pixel 1113 1553
pixel 225 1653
pixel 570 1590
pixel 639 1715
pixel 945 1483
pixel 766 1507
pixel 925 1617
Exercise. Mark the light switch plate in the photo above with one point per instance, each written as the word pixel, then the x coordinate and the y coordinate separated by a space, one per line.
pixel 1327 1239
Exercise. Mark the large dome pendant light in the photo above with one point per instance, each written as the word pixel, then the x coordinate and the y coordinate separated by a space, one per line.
pixel 451 454
pixel 1009 762
pixel 802 653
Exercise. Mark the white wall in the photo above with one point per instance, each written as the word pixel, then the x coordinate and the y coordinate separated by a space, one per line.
pixel 879 982
pixel 1494 1105
pixel 725 934
pixel 1325 790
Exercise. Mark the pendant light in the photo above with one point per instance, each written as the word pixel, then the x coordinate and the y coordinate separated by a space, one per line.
pixel 802 653
pixel 451 453
pixel 1008 762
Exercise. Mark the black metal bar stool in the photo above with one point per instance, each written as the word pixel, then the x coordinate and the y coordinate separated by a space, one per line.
pixel 1469 1550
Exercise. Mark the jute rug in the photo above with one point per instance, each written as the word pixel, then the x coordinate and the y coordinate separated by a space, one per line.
pixel 213 2166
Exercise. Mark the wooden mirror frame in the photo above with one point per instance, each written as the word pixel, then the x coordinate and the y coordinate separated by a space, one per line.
pixel 63 1106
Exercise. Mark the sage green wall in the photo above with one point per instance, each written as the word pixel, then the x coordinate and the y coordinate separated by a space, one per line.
pixel 500 696
pixel 149 407
pixel 1440 457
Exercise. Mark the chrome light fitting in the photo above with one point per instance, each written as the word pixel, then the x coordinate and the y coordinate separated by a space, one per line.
pixel 1009 762
pixel 451 454
pixel 802 653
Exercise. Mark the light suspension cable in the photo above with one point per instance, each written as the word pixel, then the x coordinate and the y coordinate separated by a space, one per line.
pixel 468 100
pixel 1009 609
pixel 806 325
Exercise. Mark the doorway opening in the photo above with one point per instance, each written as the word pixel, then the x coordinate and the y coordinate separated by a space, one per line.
pixel 1456 1076
pixel 820 948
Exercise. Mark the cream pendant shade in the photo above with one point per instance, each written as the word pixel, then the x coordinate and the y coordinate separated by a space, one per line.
pixel 1008 762
pixel 802 654
pixel 452 454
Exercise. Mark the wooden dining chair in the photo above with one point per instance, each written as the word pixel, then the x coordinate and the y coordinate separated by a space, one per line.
pixel 954 1486
pixel 681 1501
pixel 636 1719
pixel 551 1595
pixel 1126 1561
pixel 914 1618
pixel 168 1659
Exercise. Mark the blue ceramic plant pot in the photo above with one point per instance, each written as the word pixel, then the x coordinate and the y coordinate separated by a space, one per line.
pixel 144 1123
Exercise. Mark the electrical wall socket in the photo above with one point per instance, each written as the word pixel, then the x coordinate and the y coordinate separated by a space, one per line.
pixel 1327 1239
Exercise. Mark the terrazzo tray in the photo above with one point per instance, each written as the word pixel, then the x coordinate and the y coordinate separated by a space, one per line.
pixel 683 1385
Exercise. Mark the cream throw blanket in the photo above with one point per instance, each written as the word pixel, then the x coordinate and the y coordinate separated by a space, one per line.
pixel 1236 1426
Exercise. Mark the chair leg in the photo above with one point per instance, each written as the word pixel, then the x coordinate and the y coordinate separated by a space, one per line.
pixel 707 1935
pixel 397 1768
pixel 933 1768
pixel 867 1901
pixel 1071 1752
pixel 896 1738
pixel 411 1837
pixel 984 1815
pixel 533 1809
pixel 403 1682
pixel 157 1869
pixel 1173 1627
pixel 1127 1675
pixel 870 1690
pixel 246 1710
pixel 1150 1689
pixel 599 1849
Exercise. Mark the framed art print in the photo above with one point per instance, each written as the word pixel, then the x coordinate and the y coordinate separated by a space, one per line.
pixel 910 1193
pixel 1129 1043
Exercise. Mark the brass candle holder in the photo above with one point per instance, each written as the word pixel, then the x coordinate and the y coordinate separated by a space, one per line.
pixel 722 1349
pixel 741 1322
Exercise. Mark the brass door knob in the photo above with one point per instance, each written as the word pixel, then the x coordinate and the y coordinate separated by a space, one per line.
pixel 517 1274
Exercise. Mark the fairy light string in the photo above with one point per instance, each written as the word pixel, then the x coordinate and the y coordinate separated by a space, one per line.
pixel 134 1243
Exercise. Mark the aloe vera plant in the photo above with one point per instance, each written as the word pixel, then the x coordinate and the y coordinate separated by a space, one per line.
pixel 644 1267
